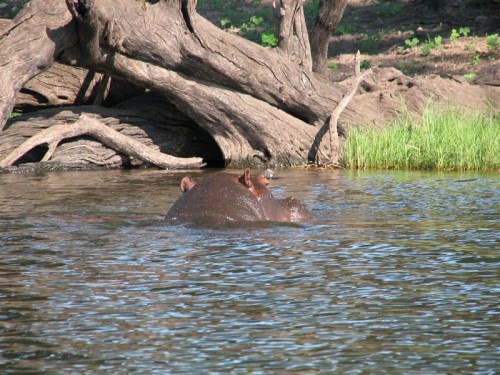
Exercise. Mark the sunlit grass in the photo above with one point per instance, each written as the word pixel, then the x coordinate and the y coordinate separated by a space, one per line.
pixel 441 139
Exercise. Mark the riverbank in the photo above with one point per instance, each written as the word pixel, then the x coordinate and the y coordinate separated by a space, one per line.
pixel 440 44
pixel 446 139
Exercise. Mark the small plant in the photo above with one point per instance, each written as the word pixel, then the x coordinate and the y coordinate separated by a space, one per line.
pixel 475 59
pixel 332 65
pixel 15 114
pixel 225 23
pixel 426 50
pixel 256 21
pixel 365 64
pixel 410 43
pixel 464 31
pixel 438 41
pixel 469 76
pixel 454 35
pixel 492 42
pixel 269 40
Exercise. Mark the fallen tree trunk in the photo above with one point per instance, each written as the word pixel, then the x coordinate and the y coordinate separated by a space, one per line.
pixel 261 106
pixel 148 119
pixel 90 126
pixel 64 85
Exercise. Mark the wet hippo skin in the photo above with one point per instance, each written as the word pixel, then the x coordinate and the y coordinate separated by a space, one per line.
pixel 233 197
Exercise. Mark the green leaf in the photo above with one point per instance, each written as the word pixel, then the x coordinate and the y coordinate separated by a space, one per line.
pixel 269 40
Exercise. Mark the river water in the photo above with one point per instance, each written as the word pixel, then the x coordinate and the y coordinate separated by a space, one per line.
pixel 398 272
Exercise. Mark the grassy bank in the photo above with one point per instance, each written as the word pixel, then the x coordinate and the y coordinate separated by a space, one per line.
pixel 441 139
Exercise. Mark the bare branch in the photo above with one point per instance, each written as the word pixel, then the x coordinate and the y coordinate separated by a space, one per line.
pixel 332 123
pixel 89 126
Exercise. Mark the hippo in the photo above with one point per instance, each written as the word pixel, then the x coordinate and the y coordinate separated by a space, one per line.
pixel 230 197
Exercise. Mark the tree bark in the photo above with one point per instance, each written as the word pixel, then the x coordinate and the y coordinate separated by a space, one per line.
pixel 64 85
pixel 29 45
pixel 329 15
pixel 293 36
pixel 183 42
pixel 149 119
pixel 90 126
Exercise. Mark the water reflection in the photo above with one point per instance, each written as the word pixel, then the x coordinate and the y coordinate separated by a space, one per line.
pixel 398 272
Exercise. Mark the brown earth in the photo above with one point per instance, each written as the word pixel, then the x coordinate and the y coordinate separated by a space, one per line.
pixel 380 36
pixel 379 28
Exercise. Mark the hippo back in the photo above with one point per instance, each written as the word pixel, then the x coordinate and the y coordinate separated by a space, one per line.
pixel 219 197
pixel 229 197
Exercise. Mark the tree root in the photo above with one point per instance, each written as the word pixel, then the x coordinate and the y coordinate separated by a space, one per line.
pixel 86 125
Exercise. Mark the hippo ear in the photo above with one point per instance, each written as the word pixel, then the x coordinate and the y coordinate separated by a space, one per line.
pixel 245 178
pixel 187 184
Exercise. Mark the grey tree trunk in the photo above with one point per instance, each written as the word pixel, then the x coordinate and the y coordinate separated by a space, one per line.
pixel 329 15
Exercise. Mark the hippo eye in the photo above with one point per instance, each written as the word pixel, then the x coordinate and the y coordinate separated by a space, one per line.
pixel 262 180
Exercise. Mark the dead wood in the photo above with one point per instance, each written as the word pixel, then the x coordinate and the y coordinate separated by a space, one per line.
pixel 64 85
pixel 190 46
pixel 90 126
pixel 334 147
pixel 253 131
pixel 148 119
pixel 29 45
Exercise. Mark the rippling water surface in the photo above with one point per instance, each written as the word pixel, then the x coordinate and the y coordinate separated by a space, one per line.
pixel 397 273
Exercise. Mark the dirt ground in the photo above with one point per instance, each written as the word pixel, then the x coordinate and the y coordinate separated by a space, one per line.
pixel 379 29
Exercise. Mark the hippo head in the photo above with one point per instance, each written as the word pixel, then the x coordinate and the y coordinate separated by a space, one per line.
pixel 225 196
pixel 257 187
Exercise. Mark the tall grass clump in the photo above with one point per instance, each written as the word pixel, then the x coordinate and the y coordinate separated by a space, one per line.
pixel 443 139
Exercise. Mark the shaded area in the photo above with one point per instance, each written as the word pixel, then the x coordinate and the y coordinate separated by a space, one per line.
pixel 149 118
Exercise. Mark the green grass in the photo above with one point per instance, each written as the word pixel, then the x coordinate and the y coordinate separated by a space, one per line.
pixel 492 42
pixel 441 139
pixel 14 115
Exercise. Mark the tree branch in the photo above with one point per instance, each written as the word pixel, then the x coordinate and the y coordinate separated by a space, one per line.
pixel 332 123
pixel 111 138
